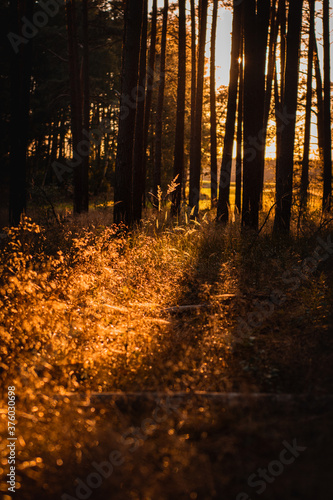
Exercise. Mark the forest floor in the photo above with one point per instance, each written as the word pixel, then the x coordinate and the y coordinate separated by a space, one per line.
pixel 222 341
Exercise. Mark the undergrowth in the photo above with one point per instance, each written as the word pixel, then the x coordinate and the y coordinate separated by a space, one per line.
pixel 87 306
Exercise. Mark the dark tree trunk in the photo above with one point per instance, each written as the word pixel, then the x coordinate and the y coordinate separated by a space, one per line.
pixel 160 103
pixel 320 103
pixel 178 166
pixel 138 173
pixel 239 156
pixel 255 34
pixel 193 80
pixel 196 166
pixel 123 209
pixel 327 192
pixel 269 81
pixel 307 127
pixel 213 139
pixel 279 98
pixel 224 192
pixel 284 187
pixel 20 80
pixel 149 93
pixel 86 106
pixel 76 107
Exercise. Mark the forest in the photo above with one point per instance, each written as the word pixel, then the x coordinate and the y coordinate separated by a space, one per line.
pixel 166 278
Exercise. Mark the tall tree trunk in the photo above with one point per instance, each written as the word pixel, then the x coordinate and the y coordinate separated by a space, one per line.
pixel 239 156
pixel 123 209
pixel 20 80
pixel 320 103
pixel 224 192
pixel 178 166
pixel 138 173
pixel 213 138
pixel 256 33
pixel 274 26
pixel 193 80
pixel 149 93
pixel 76 106
pixel 196 166
pixel 284 187
pixel 307 128
pixel 327 191
pixel 160 103
pixel 86 105
pixel 279 98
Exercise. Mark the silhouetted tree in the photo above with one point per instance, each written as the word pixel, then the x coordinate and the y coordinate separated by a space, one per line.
pixel 213 138
pixel 327 191
pixel 160 103
pixel 178 167
pixel 284 186
pixel 123 209
pixel 224 192
pixel 307 127
pixel 195 167
pixel 20 83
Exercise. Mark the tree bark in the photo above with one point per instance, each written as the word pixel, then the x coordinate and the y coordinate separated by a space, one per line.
pixel 327 190
pixel 123 209
pixel 255 34
pixel 196 167
pixel 149 93
pixel 224 191
pixel 193 81
pixel 307 127
pixel 320 103
pixel 86 105
pixel 284 186
pixel 20 81
pixel 269 81
pixel 213 139
pixel 178 167
pixel 239 155
pixel 138 172
pixel 160 104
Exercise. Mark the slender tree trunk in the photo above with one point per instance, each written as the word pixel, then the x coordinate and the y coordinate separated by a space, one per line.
pixel 123 209
pixel 320 103
pixel 239 156
pixel 269 80
pixel 178 166
pixel 256 33
pixel 196 167
pixel 327 192
pixel 138 173
pixel 307 128
pixel 86 106
pixel 149 93
pixel 284 187
pixel 279 98
pixel 213 138
pixel 224 192
pixel 76 106
pixel 20 81
pixel 160 103
pixel 193 81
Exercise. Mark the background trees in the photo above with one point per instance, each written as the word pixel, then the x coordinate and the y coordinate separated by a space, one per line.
pixel 103 108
